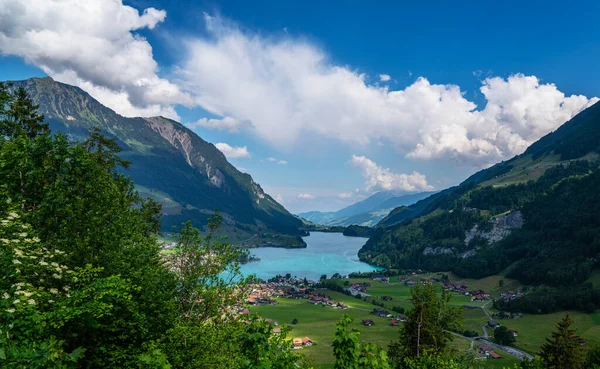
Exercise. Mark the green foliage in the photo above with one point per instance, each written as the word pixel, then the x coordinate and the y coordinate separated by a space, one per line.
pixel 351 354
pixel 502 336
pixel 427 329
pixel 563 349
pixel 82 281
pixel 294 321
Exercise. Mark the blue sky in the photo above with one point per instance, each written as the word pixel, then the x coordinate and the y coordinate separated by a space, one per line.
pixel 332 101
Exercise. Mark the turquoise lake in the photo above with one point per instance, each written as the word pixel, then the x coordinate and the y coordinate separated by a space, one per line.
pixel 327 253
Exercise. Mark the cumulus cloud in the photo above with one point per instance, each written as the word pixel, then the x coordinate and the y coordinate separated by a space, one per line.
pixel 305 196
pixel 384 77
pixel 378 178
pixel 91 44
pixel 233 152
pixel 289 89
pixel 345 195
pixel 228 124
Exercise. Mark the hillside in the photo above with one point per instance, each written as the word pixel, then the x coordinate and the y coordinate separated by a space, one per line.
pixel 171 164
pixel 536 214
pixel 367 212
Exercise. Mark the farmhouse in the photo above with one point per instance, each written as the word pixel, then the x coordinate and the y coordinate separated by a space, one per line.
pixel 307 341
pixel 493 324
pixel 297 343
pixel 410 282
pixel 368 322
pixel 514 333
pixel 386 298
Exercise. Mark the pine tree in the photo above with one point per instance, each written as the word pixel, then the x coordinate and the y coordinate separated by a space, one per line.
pixel 24 114
pixel 563 350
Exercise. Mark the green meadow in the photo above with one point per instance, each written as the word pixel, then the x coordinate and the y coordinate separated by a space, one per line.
pixel 318 322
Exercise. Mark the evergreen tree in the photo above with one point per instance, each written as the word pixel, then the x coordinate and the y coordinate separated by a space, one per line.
pixel 563 350
pixel 427 329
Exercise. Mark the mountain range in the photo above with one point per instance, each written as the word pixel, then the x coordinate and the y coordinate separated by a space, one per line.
pixel 533 217
pixel 171 164
pixel 367 212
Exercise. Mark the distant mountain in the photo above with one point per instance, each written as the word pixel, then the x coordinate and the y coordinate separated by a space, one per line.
pixel 187 175
pixel 535 214
pixel 366 212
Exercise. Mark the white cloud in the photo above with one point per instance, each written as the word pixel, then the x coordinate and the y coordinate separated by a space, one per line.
pixel 279 198
pixel 289 89
pixel 384 77
pixel 379 178
pixel 305 196
pixel 91 45
pixel 277 161
pixel 228 124
pixel 345 195
pixel 233 152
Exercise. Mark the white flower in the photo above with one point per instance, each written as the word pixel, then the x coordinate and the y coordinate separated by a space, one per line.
pixel 27 294
pixel 4 222
pixel 24 226
pixel 43 263
pixel 4 240
pixel 12 214
pixel 23 234
pixel 10 310
pixel 15 241
pixel 54 291
pixel 51 301
pixel 15 261
pixel 19 292
pixel 31 302
pixel 66 288
pixel 16 302
pixel 35 239
pixel 54 264
pixel 56 276
pixel 5 296
pixel 18 252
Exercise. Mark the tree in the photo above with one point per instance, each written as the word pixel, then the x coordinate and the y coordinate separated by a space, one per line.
pixel 336 276
pixel 563 350
pixel 351 354
pixel 295 321
pixel 428 326
pixel 323 277
pixel 503 336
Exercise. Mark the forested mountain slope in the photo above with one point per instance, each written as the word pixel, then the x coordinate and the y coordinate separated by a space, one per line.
pixel 536 214
pixel 171 164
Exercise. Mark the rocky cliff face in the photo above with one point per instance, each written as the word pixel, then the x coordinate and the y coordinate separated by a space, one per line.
pixel 501 227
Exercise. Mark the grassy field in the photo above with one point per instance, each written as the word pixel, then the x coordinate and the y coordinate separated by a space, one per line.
pixel 318 322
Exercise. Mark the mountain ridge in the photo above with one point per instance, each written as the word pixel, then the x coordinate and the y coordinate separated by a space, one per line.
pixel 366 212
pixel 173 165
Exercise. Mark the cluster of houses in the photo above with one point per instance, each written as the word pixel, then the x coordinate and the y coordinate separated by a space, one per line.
pixel 263 294
pixel 507 315
pixel 317 298
pixel 510 295
pixel 380 277
pixel 394 322
pixel 358 288
pixel 487 352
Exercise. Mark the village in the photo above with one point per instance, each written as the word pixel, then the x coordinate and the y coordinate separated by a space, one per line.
pixel 313 292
